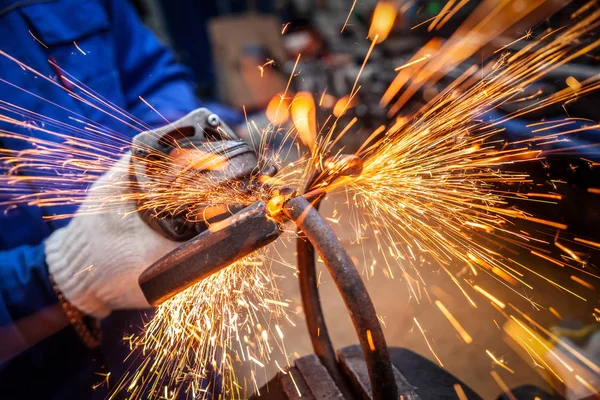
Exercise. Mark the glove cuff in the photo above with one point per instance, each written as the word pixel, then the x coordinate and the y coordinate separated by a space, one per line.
pixel 69 260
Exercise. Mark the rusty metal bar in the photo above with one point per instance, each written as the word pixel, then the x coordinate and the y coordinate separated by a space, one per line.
pixel 353 292
pixel 315 319
pixel 311 301
pixel 214 249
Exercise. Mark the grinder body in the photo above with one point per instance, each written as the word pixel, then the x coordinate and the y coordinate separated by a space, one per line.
pixel 228 160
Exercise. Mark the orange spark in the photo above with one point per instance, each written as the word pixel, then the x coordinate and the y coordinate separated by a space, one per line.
pixel 545 257
pixel 573 83
pixel 489 296
pixel 459 328
pixel 555 313
pixel 348 17
pixel 383 20
pixel 588 242
pixel 370 340
pixel 303 116
pixel 582 282
pixel 502 385
pixel 408 64
pixel 427 342
pixel 36 39
pixel 498 362
pixel 79 48
pixel 460 392
pixel 278 109
pixel 342 105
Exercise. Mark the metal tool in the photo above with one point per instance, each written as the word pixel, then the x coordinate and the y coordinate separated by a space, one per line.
pixel 210 251
pixel 358 372
pixel 200 131
pixel 232 237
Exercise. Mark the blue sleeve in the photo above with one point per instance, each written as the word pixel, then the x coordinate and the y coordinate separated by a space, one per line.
pixel 24 285
pixel 148 69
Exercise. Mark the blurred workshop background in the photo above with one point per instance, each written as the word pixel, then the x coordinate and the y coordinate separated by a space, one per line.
pixel 242 53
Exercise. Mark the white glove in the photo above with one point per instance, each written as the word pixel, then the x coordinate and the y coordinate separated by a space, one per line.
pixel 97 258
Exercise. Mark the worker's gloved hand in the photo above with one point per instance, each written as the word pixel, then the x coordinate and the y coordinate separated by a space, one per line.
pixel 97 258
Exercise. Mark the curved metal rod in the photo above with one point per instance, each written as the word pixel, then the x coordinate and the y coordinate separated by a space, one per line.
pixel 315 320
pixel 354 294
pixel 311 301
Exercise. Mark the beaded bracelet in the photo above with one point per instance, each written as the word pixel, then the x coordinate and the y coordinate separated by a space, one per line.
pixel 87 328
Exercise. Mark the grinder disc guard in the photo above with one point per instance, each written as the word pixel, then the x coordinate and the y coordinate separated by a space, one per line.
pixel 205 150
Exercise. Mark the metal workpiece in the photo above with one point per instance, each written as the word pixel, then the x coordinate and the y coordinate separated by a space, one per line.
pixel 320 383
pixel 344 165
pixel 228 161
pixel 214 249
pixel 353 364
pixel 311 300
pixel 308 379
pixel 334 168
pixel 313 312
pixel 353 292
pixel 293 386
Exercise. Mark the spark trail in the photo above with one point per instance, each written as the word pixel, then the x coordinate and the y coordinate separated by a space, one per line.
pixel 444 183
pixel 212 328
pixel 437 182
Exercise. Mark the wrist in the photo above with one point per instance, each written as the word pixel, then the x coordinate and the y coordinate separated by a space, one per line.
pixel 87 328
